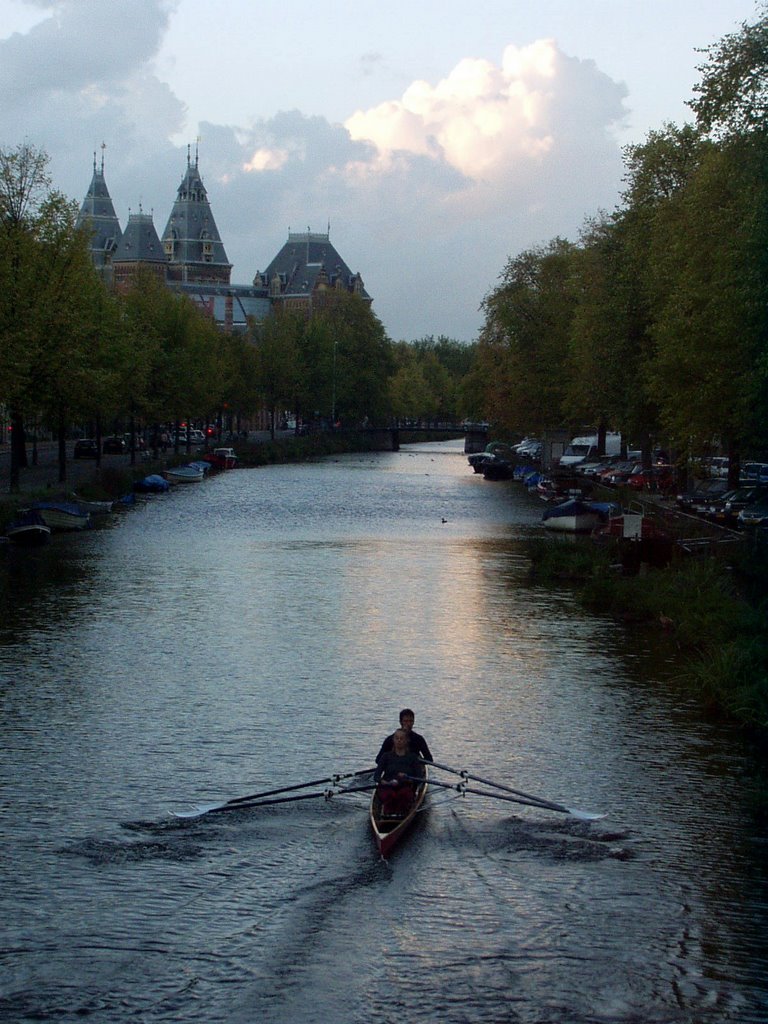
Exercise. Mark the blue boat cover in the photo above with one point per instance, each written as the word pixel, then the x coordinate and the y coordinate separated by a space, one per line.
pixel 152 484
pixel 70 507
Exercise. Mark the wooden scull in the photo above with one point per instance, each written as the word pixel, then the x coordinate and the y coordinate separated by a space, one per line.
pixel 388 831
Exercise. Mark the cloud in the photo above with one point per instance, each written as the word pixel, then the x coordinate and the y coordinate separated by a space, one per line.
pixel 428 193
pixel 487 121
pixel 81 42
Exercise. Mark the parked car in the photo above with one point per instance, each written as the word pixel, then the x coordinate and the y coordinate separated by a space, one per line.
pixel 754 472
pixel 726 511
pixel 599 468
pixel 85 448
pixel 620 473
pixel 113 446
pixel 755 514
pixel 702 495
pixel 657 478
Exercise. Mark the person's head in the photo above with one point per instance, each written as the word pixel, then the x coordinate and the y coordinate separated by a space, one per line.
pixel 400 741
pixel 407 718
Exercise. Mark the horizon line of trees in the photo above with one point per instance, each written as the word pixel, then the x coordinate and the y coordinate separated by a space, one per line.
pixel 76 352
pixel 655 322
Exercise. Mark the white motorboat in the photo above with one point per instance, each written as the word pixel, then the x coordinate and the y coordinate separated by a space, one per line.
pixel 61 515
pixel 184 475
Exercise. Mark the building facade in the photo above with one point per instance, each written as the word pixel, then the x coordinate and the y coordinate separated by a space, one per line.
pixel 305 275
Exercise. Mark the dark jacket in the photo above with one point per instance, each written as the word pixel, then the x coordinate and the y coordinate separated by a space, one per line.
pixel 416 743
pixel 391 764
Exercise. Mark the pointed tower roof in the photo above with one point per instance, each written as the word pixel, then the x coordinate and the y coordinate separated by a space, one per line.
pixel 140 243
pixel 191 240
pixel 98 213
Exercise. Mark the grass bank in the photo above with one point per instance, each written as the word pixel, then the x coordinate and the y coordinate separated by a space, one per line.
pixel 714 611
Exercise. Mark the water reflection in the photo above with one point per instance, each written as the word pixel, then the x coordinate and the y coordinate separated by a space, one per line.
pixel 269 624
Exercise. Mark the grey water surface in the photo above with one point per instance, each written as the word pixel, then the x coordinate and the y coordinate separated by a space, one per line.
pixel 264 628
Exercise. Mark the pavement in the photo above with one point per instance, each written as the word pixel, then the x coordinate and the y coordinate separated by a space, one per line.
pixel 44 476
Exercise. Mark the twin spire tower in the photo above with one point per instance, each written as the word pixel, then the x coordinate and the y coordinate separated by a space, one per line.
pixel 191 250
pixel 190 257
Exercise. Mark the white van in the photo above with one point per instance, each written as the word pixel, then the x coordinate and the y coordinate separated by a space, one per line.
pixel 582 448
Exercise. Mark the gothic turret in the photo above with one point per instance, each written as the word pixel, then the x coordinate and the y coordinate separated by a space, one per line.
pixel 139 247
pixel 191 240
pixel 98 213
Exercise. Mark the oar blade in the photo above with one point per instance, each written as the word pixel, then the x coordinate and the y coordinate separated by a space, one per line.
pixel 586 815
pixel 198 812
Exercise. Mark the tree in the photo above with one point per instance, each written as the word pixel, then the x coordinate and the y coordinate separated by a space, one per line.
pixel 523 345
pixel 47 290
pixel 708 370
pixel 732 97
pixel 279 368
pixel 350 351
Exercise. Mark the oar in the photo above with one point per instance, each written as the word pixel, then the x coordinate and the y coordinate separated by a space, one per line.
pixel 327 793
pixel 519 796
pixel 548 804
pixel 239 801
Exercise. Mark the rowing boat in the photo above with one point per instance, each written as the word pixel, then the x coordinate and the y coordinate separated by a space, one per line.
pixel 387 831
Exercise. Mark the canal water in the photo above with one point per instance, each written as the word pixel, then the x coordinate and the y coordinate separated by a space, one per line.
pixel 264 628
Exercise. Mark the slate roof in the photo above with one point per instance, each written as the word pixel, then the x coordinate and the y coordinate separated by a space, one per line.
pixel 140 243
pixel 303 261
pixel 191 236
pixel 98 212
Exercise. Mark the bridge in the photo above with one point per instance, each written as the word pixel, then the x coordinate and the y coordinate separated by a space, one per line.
pixel 390 438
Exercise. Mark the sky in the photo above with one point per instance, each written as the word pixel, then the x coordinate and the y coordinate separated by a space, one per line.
pixel 437 138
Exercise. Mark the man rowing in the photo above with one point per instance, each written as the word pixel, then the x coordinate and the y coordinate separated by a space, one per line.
pixel 416 743
pixel 394 774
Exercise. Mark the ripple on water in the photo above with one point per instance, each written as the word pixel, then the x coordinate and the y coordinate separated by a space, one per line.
pixel 268 625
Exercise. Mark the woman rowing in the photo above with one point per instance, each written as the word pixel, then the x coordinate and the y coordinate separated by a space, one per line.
pixel 394 774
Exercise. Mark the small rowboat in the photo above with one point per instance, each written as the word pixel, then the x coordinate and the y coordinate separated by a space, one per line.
pixel 184 474
pixel 387 831
pixel 61 515
pixel 29 530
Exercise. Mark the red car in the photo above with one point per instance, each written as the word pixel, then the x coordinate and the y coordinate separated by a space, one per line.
pixel 618 474
pixel 658 478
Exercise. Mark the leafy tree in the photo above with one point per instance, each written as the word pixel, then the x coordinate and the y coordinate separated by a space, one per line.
pixel 523 345
pixel 349 340
pixel 47 295
pixel 710 320
pixel 279 368
pixel 732 97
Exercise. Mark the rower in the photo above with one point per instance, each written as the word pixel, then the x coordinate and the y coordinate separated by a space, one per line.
pixel 396 769
pixel 416 743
